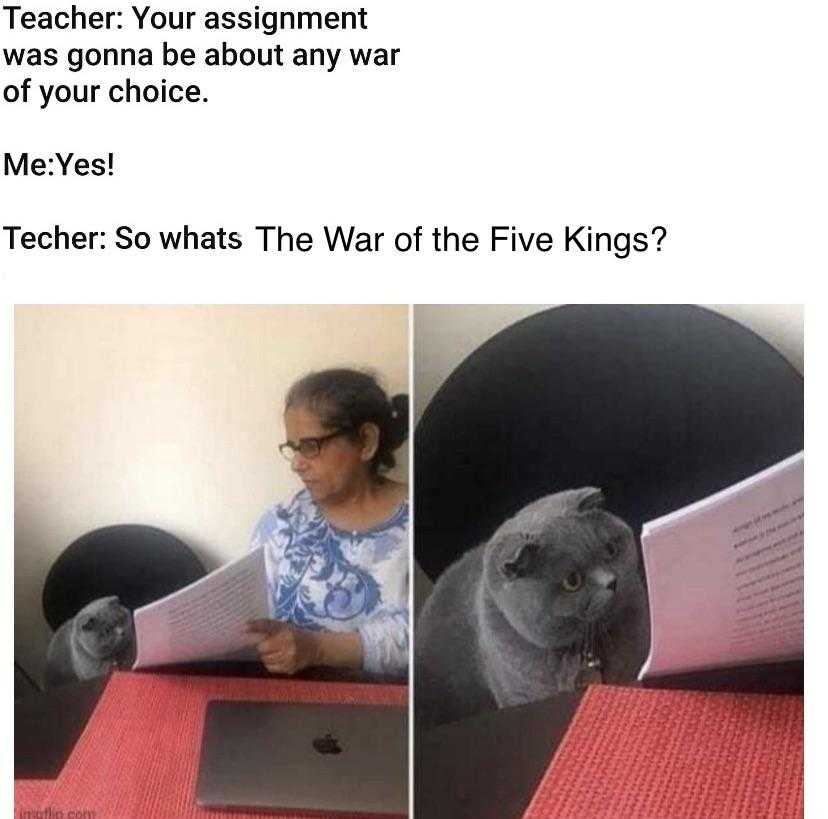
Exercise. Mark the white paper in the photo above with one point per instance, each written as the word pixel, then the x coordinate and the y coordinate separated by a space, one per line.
pixel 206 620
pixel 725 576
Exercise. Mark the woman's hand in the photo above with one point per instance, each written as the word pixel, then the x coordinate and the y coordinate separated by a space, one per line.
pixel 286 649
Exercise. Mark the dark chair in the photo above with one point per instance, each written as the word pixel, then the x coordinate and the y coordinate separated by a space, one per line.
pixel 658 405
pixel 137 563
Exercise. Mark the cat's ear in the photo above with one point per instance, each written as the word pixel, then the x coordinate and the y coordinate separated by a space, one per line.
pixel 589 498
pixel 90 624
pixel 519 562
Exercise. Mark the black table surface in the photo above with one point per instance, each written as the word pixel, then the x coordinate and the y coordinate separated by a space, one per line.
pixel 765 678
pixel 47 726
pixel 488 766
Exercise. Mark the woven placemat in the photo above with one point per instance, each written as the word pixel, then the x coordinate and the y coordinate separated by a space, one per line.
pixel 138 756
pixel 648 754
pixel 29 795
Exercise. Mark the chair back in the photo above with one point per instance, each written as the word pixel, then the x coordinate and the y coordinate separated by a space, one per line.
pixel 657 405
pixel 137 563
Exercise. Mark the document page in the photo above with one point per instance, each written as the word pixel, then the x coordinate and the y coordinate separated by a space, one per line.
pixel 206 620
pixel 725 576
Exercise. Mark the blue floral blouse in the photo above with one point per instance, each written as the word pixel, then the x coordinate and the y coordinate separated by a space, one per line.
pixel 323 578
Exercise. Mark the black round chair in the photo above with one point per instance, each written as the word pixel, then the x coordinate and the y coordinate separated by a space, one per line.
pixel 137 563
pixel 658 405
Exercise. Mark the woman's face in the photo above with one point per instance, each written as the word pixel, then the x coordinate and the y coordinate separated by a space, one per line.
pixel 341 464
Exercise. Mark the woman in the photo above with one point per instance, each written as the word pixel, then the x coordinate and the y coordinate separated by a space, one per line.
pixel 337 554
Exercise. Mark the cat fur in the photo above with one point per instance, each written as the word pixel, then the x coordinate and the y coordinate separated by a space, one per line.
pixel 499 629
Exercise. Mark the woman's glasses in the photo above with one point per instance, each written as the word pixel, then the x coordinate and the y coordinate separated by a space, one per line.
pixel 308 447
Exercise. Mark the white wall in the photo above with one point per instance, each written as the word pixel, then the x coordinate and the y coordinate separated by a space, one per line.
pixel 444 335
pixel 167 416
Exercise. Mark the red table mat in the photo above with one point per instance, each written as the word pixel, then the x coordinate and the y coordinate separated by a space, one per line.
pixel 138 756
pixel 649 754
pixel 30 793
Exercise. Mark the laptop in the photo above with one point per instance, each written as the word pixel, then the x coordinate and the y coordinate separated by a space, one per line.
pixel 285 756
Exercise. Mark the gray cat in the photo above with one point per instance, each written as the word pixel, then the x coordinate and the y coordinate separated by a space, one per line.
pixel 98 638
pixel 554 593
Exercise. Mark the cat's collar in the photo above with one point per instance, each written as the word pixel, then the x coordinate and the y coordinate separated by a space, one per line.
pixel 587 650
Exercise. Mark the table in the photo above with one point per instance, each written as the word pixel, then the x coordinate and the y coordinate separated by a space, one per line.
pixel 648 754
pixel 47 725
pixel 488 766
pixel 137 757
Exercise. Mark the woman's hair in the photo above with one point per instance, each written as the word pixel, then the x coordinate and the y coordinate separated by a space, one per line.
pixel 347 399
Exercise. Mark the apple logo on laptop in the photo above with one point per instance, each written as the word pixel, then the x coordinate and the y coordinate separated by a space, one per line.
pixel 327 745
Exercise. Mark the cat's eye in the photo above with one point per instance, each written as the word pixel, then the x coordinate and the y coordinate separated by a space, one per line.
pixel 572 582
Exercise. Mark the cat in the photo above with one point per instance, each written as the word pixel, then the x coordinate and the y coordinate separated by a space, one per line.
pixel 513 620
pixel 100 637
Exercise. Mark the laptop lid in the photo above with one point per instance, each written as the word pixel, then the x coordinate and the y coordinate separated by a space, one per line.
pixel 279 756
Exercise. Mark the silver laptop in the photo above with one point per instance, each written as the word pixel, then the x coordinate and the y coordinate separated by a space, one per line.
pixel 282 756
